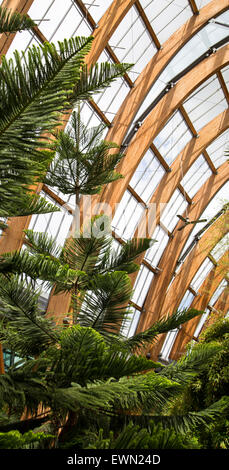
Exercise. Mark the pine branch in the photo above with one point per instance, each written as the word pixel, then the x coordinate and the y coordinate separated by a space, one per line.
pixel 11 22
pixel 163 325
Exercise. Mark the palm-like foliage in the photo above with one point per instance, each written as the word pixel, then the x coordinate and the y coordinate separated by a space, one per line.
pixel 36 91
pixel 11 22
pixel 89 368
pixel 83 162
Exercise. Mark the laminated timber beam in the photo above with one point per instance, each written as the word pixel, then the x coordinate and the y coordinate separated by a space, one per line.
pixel 170 182
pixel 155 67
pixel 59 304
pixel 109 23
pixel 158 117
pixel 183 279
pixel 159 286
pixel 200 302
pixel 13 236
pixel 193 149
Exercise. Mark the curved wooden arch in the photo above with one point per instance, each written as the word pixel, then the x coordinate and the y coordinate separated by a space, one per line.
pixel 184 277
pixel 158 117
pixel 190 266
pixel 170 182
pixel 13 238
pixel 155 67
pixel 207 289
pixel 193 149
pixel 154 302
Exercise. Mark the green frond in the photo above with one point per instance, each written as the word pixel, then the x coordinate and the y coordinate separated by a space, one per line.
pixel 25 204
pixel 25 329
pixel 34 90
pixel 104 307
pixel 98 77
pixel 191 364
pixel 191 420
pixel 82 251
pixel 84 356
pixel 10 22
pixel 42 243
pixel 129 252
pixel 161 326
pixel 83 163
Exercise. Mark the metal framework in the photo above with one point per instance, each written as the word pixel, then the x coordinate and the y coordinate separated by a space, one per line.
pixel 163 131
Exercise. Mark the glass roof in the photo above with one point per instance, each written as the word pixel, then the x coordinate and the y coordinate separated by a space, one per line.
pixel 134 41
pixel 166 16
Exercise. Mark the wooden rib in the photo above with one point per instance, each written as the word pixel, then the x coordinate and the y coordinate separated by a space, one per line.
pixel 148 25
pixel 157 64
pixel 158 117
pixel 188 121
pixel 193 6
pixel 158 289
pixel 99 113
pixel 160 158
pixel 201 302
pixel 223 85
pixel 209 161
pixel 86 13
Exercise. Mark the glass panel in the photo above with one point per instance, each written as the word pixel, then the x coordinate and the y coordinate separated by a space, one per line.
pixel 173 137
pixel 201 3
pixel 201 324
pixel 4 220
pixel 155 252
pixel 130 324
pixel 221 247
pixel 142 284
pixel 109 101
pixel 166 16
pixel 201 274
pixel 127 216
pixel 211 210
pixel 176 205
pixel 171 335
pixel 168 344
pixel 205 103
pixel 90 118
pixel 196 176
pixel 132 43
pixel 225 73
pixel 192 50
pixel 216 150
pixel 21 43
pixel 147 176
pixel 56 224
pixel 218 292
pixel 186 301
pixel 97 8
pixel 59 19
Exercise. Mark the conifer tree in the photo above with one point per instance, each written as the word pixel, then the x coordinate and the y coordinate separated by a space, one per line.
pixel 68 380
